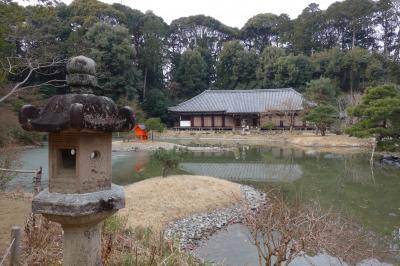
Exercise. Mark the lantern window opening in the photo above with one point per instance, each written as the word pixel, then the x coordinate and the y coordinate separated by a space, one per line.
pixel 94 155
pixel 67 159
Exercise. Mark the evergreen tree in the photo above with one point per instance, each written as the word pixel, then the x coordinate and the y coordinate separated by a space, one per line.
pixel 110 48
pixel 323 116
pixel 321 91
pixel 191 75
pixel 379 116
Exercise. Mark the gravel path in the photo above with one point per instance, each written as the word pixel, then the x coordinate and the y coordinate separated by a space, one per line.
pixel 189 231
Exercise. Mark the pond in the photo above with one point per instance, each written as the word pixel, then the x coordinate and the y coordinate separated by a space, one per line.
pixel 345 182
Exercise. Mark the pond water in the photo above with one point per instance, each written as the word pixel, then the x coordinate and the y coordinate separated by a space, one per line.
pixel 345 182
pixel 235 240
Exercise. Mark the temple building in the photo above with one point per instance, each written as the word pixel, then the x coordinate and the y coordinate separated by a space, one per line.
pixel 236 109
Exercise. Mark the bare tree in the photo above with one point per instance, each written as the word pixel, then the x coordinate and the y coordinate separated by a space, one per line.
pixel 282 233
pixel 290 112
pixel 27 68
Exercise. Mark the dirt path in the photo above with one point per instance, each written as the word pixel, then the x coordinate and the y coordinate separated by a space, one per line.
pixel 14 210
pixel 156 201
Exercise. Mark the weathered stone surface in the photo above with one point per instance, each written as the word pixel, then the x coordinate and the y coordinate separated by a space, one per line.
pixel 82 245
pixel 81 64
pixel 77 111
pixel 391 160
pixel 91 172
pixel 81 109
pixel 81 80
pixel 79 205
pixel 81 75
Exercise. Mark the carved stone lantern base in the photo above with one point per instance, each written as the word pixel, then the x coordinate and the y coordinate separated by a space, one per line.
pixel 80 216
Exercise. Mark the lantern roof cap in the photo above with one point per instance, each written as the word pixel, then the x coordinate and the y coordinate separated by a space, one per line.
pixel 81 109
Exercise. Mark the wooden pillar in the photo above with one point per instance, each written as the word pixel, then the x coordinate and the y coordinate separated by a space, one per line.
pixel 212 121
pixel 223 120
pixel 191 121
pixel 202 120
pixel 15 246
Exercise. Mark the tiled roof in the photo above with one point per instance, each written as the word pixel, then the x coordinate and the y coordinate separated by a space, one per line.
pixel 242 101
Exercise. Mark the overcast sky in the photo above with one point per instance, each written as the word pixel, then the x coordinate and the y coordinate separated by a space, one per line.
pixel 233 13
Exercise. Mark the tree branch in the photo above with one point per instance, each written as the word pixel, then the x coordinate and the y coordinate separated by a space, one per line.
pixel 32 68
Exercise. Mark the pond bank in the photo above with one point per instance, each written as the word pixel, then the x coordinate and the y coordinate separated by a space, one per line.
pixel 190 231
pixel 157 201
pixel 305 139
pixel 120 145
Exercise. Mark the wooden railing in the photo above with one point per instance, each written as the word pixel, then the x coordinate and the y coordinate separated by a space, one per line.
pixel 14 249
pixel 36 179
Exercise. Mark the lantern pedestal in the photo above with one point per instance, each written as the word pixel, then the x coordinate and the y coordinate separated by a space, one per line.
pixel 82 245
pixel 80 216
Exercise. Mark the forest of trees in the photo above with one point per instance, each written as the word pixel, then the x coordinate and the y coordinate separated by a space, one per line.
pixel 352 45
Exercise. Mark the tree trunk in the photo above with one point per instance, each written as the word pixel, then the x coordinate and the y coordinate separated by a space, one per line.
pixel 397 49
pixel 165 172
pixel 385 43
pixel 351 84
pixel 144 84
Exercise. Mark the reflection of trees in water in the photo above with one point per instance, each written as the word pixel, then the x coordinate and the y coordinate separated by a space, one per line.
pixel 343 182
pixel 244 171
pixel 246 163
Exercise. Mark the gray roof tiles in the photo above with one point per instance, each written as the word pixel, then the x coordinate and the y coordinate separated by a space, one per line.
pixel 242 101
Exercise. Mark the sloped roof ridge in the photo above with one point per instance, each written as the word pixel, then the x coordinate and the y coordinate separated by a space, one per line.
pixel 191 99
pixel 249 91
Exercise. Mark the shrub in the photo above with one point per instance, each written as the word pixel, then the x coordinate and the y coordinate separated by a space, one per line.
pixel 154 124
pixel 268 126
pixel 21 136
pixel 281 232
pixel 169 159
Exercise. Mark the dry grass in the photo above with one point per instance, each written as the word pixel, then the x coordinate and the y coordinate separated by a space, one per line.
pixel 329 141
pixel 14 210
pixel 42 242
pixel 121 245
pixel 155 202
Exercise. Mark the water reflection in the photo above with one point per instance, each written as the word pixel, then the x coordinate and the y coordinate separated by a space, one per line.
pixel 343 182
pixel 246 171
pixel 233 247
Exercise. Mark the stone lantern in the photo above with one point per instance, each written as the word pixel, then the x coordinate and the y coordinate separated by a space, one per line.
pixel 80 194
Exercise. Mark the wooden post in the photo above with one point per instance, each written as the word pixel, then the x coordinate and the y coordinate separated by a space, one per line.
pixel 202 121
pixel 15 246
pixel 37 181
